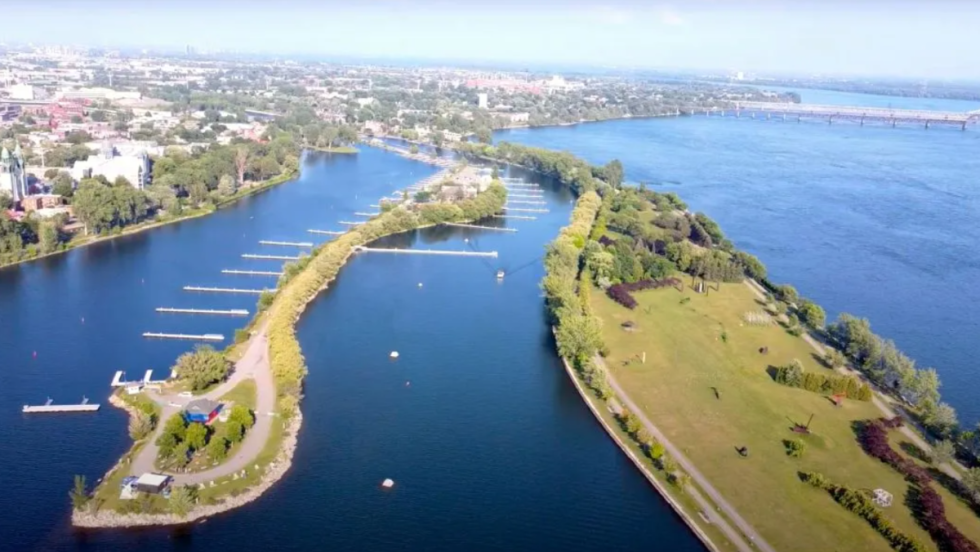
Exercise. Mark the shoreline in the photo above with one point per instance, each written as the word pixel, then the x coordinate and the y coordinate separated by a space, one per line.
pixel 642 466
pixel 143 227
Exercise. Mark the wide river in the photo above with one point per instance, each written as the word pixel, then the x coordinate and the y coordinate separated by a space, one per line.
pixel 489 444
pixel 877 221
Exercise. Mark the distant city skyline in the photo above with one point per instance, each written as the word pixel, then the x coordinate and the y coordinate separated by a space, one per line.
pixel 898 39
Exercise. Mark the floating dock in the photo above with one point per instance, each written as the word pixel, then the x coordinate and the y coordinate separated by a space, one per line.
pixel 517 217
pixel 83 406
pixel 526 202
pixel 326 232
pixel 529 196
pixel 251 272
pixel 229 312
pixel 349 223
pixel 227 290
pixel 289 244
pixel 477 226
pixel 522 210
pixel 427 252
pixel 270 257
pixel 374 206
pixel 201 337
pixel 366 214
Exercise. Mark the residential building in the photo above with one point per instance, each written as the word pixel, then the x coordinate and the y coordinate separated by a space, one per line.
pixel 135 167
pixel 482 102
pixel 202 411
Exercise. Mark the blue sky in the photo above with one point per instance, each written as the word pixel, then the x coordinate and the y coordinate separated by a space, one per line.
pixel 933 39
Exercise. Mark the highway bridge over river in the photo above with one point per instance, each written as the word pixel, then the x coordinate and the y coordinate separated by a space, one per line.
pixel 832 113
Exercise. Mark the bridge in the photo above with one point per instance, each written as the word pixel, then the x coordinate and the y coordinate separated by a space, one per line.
pixel 833 113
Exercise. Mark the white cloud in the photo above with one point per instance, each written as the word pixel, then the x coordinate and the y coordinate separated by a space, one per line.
pixel 670 17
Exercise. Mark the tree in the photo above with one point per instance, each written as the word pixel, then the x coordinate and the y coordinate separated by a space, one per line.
pixel 413 149
pixel 234 431
pixel 140 425
pixel 202 367
pixel 76 119
pixel 79 494
pixel 579 336
pixel 122 181
pixel 241 163
pixel 226 185
pixel 971 482
pixel 63 185
pixel 811 313
pixel 483 135
pixel 48 237
pixel 613 172
pixel 834 358
pixel 176 426
pixel 943 452
pixel 347 135
pixel 98 116
pixel 196 436
pixel 241 414
pixel 182 500
pixel 217 449
pixel 6 202
pixel 941 419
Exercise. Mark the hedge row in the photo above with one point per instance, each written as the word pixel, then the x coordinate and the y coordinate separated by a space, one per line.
pixel 622 293
pixel 860 504
pixel 793 375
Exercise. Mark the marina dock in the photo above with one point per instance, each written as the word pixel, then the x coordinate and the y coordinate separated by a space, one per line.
pixel 251 272
pixel 525 202
pixel 517 217
pixel 230 312
pixel 285 243
pixel 427 252
pixel 523 210
pixel 477 226
pixel 227 290
pixel 200 337
pixel 326 232
pixel 349 223
pixel 270 257
pixel 366 214
pixel 47 407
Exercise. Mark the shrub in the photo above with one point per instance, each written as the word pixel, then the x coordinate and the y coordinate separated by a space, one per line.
pixel 794 447
pixel 622 293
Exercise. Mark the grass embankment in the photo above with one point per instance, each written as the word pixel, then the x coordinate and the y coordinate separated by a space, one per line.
pixel 696 344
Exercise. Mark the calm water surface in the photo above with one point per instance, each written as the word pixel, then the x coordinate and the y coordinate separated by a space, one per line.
pixel 877 221
pixel 489 444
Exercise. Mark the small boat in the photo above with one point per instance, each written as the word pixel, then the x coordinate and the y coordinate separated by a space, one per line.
pixel 500 274
pixel 387 483
pixel 394 354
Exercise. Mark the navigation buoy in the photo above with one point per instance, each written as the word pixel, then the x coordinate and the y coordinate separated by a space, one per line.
pixel 35 354
pixel 387 483
pixel 420 284
pixel 408 383
pixel 83 320
pixel 394 354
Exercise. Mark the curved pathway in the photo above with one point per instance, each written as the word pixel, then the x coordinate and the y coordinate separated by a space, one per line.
pixel 254 364
pixel 685 464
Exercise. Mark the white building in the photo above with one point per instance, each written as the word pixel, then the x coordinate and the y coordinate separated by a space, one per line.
pixel 481 101
pixel 134 167
pixel 13 179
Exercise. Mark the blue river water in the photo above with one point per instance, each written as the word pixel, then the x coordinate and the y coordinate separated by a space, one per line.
pixel 489 444
pixel 877 221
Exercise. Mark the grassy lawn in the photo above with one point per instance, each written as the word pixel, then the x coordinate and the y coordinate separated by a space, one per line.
pixel 702 344
pixel 226 486
pixel 243 393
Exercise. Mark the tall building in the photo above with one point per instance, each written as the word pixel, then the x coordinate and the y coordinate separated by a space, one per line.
pixel 13 178
pixel 482 100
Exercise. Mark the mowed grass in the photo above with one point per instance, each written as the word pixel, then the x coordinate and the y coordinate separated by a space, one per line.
pixel 695 346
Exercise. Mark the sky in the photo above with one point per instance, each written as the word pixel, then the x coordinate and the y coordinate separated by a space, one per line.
pixel 903 38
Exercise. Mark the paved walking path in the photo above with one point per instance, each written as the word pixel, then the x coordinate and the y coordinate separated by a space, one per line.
pixel 876 398
pixel 254 364
pixel 697 476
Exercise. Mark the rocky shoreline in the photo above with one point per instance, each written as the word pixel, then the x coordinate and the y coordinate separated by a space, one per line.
pixel 274 472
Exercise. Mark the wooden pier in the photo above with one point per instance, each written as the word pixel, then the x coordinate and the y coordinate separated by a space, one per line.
pixel 326 232
pixel 427 252
pixel 252 272
pixel 285 243
pixel 522 210
pixel 478 227
pixel 83 406
pixel 517 217
pixel 229 312
pixel 227 290
pixel 271 257
pixel 201 337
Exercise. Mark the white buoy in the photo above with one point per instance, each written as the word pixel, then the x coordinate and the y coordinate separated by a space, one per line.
pixel 388 483
pixel 394 354
pixel 420 284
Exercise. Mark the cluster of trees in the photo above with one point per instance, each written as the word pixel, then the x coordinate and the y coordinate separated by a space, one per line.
pixel 927 504
pixel 884 364
pixel 858 502
pixel 631 425
pixel 793 375
pixel 577 333
pixel 33 236
pixel 180 440
pixel 103 207
pixel 490 201
pixel 320 134
pixel 565 167
pixel 64 155
pixel 202 367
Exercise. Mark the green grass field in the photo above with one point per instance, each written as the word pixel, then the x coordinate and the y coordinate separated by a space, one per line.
pixel 698 345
